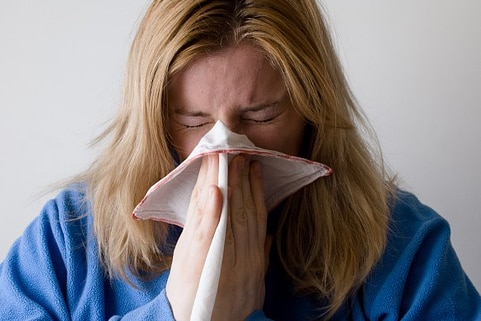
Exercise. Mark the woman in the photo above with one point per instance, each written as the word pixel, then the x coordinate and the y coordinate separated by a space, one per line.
pixel 348 246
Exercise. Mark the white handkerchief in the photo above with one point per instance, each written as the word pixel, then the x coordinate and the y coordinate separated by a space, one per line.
pixel 169 198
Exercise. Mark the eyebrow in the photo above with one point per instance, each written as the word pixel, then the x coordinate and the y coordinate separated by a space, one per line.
pixel 261 106
pixel 184 112
pixel 253 108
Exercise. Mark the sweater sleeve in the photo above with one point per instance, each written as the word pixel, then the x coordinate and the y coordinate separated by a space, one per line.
pixel 52 272
pixel 157 309
pixel 33 274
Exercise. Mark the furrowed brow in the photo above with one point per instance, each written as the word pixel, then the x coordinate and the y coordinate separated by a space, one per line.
pixel 184 112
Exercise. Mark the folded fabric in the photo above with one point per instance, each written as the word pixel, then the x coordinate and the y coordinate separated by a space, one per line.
pixel 169 198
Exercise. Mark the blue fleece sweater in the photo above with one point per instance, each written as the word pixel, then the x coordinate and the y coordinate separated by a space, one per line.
pixel 53 272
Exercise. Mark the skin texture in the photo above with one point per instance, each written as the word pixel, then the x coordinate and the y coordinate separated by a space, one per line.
pixel 239 87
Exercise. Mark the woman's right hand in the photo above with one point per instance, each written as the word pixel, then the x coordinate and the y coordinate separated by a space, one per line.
pixel 191 249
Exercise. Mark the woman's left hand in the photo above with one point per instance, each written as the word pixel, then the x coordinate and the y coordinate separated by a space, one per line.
pixel 246 251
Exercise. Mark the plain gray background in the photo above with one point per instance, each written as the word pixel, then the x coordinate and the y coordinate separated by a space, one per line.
pixel 415 67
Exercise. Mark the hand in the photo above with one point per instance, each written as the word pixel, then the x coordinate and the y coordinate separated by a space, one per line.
pixel 241 286
pixel 246 251
pixel 191 249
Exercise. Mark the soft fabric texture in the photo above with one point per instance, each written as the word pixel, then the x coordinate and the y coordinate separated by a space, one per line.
pixel 168 199
pixel 53 272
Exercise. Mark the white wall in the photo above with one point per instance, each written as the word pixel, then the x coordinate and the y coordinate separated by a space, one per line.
pixel 61 70
pixel 415 66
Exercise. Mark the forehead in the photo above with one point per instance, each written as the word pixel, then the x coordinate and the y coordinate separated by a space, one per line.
pixel 236 75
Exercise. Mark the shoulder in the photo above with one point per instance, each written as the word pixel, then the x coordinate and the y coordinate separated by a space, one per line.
pixel 412 225
pixel 51 258
pixel 419 274
pixel 70 203
pixel 60 230
pixel 69 213
pixel 412 221
pixel 406 208
pixel 414 229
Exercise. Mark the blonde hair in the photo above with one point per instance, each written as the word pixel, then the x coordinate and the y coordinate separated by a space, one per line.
pixel 332 232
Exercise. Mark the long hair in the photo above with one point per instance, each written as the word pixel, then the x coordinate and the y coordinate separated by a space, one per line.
pixel 333 231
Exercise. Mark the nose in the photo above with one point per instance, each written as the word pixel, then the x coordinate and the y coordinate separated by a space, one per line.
pixel 232 123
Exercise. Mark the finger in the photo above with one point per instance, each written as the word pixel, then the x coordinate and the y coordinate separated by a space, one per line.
pixel 252 185
pixel 203 214
pixel 208 167
pixel 203 234
pixel 207 176
pixel 212 210
pixel 258 200
pixel 194 243
pixel 237 173
pixel 237 214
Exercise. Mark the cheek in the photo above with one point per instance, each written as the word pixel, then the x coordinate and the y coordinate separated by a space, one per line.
pixel 184 143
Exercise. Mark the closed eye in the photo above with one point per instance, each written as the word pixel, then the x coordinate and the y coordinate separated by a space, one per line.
pixel 191 120
pixel 259 121
pixel 193 124
pixel 263 115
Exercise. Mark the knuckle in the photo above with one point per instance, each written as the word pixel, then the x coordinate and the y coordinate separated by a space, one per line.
pixel 200 236
pixel 239 215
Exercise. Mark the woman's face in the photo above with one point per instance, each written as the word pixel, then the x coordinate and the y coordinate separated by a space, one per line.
pixel 239 87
